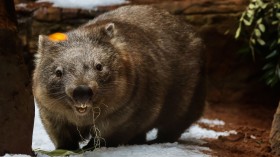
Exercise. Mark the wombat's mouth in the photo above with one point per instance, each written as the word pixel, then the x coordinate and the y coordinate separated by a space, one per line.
pixel 82 109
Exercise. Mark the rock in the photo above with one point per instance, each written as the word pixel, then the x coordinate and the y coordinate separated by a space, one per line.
pixel 69 13
pixel 48 14
pixel 203 6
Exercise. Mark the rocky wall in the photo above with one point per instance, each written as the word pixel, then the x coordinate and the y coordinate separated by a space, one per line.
pixel 231 77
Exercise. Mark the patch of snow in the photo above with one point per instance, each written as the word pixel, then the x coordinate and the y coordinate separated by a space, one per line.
pixel 156 150
pixel 40 139
pixel 83 4
pixel 196 132
pixel 23 5
pixel 15 155
pixel 253 137
pixel 211 122
pixel 151 135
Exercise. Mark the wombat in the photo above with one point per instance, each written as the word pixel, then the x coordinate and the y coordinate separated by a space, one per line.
pixel 119 76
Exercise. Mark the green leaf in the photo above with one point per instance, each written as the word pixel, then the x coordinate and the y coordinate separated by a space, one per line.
pixel 273 45
pixel 260 41
pixel 247 23
pixel 58 152
pixel 272 54
pixel 278 41
pixel 267 66
pixel 253 41
pixel 250 13
pixel 278 71
pixel 257 32
pixel 272 81
pixel 278 15
pixel 264 5
pixel 259 20
pixel 242 17
pixel 274 22
pixel 259 2
pixel 251 6
pixel 262 27
pixel 62 152
pixel 237 33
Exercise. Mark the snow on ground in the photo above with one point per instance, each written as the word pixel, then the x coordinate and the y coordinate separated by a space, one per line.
pixel 83 4
pixel 212 122
pixel 189 145
pixel 40 138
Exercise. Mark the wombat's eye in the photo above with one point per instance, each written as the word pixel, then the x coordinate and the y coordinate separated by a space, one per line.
pixel 58 71
pixel 99 67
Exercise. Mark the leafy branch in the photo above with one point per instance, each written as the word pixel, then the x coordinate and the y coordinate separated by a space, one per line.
pixel 260 25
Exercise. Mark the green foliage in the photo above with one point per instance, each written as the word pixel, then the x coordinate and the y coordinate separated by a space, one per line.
pixel 62 152
pixel 260 25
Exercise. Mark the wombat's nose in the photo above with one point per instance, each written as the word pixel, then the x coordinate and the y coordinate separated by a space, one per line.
pixel 82 93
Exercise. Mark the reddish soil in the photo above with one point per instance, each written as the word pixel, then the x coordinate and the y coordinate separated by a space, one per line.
pixel 252 124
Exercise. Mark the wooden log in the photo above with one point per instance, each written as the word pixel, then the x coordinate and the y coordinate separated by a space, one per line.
pixel 16 100
pixel 275 132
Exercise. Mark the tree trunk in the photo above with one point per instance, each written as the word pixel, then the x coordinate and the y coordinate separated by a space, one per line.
pixel 275 132
pixel 16 101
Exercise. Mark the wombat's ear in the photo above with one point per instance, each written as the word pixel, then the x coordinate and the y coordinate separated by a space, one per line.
pixel 43 43
pixel 110 29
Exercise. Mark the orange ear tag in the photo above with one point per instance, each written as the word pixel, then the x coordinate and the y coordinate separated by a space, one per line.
pixel 58 37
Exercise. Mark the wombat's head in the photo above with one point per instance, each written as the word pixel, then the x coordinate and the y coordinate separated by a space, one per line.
pixel 80 72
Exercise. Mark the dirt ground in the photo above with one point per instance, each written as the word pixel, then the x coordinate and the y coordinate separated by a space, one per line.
pixel 252 124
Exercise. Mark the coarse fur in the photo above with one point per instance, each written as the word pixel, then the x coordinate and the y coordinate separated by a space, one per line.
pixel 151 76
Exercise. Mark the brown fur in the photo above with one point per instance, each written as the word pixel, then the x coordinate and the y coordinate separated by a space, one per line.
pixel 152 77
